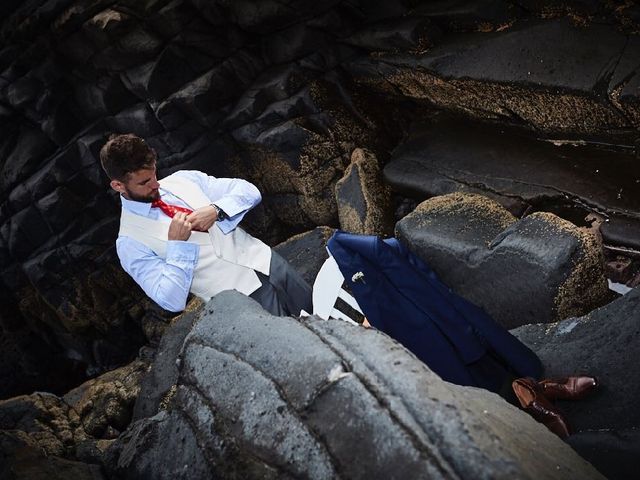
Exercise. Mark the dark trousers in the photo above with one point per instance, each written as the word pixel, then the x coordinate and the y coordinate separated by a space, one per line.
pixel 283 292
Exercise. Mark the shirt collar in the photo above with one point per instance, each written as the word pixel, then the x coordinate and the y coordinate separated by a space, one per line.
pixel 139 208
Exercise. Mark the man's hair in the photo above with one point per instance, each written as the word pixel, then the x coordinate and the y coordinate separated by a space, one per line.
pixel 124 154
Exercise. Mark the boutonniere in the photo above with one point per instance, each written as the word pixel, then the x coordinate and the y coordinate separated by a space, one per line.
pixel 358 277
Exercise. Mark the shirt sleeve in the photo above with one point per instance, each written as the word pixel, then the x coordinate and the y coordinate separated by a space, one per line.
pixel 234 196
pixel 165 281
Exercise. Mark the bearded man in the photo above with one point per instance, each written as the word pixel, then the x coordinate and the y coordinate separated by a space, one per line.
pixel 180 234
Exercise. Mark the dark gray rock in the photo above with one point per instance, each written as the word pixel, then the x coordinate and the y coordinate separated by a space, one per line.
pixel 469 15
pixel 364 201
pixel 257 396
pixel 538 79
pixel 538 269
pixel 22 459
pixel 306 252
pixel 604 343
pixel 443 156
pixel 404 33
pixel 613 452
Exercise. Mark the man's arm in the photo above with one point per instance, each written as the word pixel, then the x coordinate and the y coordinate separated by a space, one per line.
pixel 234 196
pixel 166 282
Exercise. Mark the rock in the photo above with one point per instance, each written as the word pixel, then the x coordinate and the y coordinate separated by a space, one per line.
pixel 600 343
pixel 28 153
pixel 397 34
pixel 108 400
pixel 612 452
pixel 241 401
pixel 538 269
pixel 445 155
pixel 306 252
pixel 479 15
pixel 22 459
pixel 603 343
pixel 46 419
pixel 530 73
pixel 364 202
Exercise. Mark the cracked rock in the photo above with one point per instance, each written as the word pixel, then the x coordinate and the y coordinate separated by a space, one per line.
pixel 539 269
pixel 258 396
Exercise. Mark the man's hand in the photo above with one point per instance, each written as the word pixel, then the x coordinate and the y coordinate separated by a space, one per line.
pixel 203 218
pixel 180 228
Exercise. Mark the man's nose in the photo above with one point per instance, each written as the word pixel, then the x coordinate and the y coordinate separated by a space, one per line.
pixel 155 184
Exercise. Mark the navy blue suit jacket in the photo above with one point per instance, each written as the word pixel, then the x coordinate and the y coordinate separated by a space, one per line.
pixel 401 296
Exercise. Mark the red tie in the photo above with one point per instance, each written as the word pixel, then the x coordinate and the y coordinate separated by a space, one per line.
pixel 170 210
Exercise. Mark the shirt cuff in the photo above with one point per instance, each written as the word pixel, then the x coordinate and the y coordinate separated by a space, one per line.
pixel 233 206
pixel 181 252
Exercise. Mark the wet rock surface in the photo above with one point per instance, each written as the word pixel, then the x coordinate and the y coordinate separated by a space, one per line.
pixel 539 269
pixel 242 401
pixel 604 343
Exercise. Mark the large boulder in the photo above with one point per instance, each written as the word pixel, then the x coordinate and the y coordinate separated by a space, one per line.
pixel 78 426
pixel 306 252
pixel 530 73
pixel 364 201
pixel 604 343
pixel 539 269
pixel 523 173
pixel 243 394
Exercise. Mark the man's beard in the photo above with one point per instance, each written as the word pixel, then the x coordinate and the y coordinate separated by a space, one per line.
pixel 142 198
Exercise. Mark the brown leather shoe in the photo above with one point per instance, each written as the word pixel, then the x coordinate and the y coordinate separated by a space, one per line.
pixel 568 388
pixel 534 402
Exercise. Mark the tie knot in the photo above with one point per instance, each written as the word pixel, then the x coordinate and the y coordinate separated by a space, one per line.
pixel 170 210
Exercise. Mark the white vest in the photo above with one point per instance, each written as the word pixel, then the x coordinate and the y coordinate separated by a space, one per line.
pixel 225 262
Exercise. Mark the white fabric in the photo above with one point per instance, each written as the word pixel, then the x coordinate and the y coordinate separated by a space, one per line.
pixel 225 262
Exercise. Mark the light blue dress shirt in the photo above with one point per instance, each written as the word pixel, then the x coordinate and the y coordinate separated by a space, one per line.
pixel 167 281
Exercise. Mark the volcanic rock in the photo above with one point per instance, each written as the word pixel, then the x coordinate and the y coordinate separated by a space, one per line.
pixel 604 343
pixel 22 459
pixel 306 252
pixel 445 155
pixel 46 419
pixel 532 74
pixel 364 202
pixel 539 269
pixel 241 401
pixel 107 401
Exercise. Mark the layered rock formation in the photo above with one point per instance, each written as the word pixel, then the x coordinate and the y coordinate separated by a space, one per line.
pixel 532 102
pixel 539 269
pixel 279 93
pixel 242 394
pixel 604 343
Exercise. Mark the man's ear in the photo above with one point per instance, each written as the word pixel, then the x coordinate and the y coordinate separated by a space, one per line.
pixel 117 185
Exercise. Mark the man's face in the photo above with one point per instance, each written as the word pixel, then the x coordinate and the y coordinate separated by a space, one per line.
pixel 141 186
